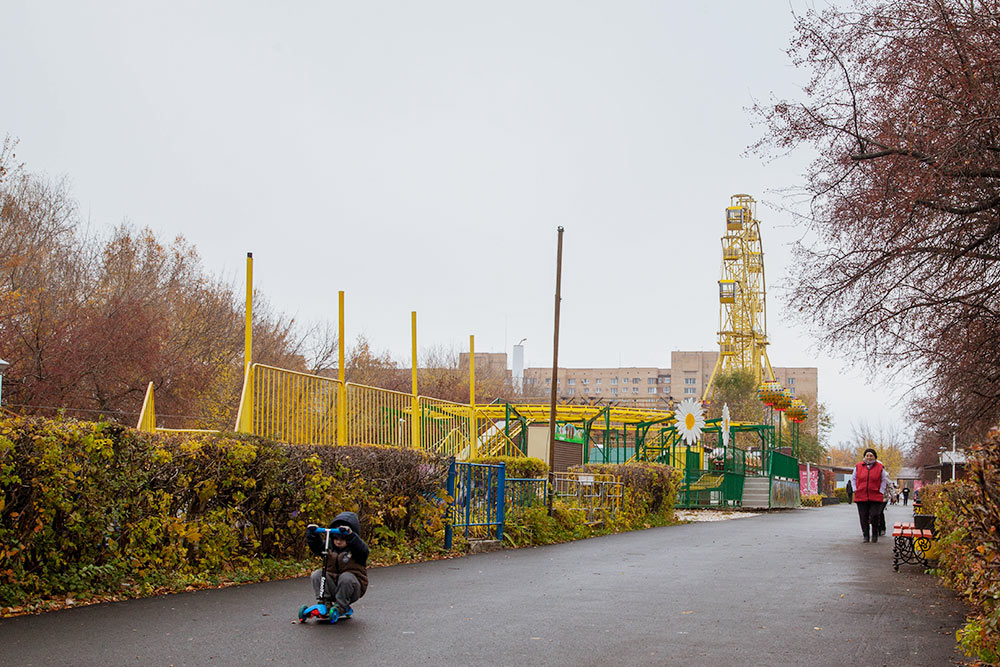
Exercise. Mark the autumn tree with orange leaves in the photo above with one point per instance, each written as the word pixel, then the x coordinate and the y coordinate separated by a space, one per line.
pixel 86 323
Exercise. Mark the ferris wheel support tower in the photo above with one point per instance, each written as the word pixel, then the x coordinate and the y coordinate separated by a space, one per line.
pixel 742 297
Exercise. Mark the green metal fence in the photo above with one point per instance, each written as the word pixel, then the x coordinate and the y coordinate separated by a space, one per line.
pixel 710 488
pixel 784 466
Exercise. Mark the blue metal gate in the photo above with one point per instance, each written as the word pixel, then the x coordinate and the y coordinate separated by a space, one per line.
pixel 477 506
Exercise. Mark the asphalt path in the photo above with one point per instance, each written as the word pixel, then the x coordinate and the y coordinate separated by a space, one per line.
pixel 795 587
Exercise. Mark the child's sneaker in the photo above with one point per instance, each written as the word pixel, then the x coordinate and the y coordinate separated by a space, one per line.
pixel 347 613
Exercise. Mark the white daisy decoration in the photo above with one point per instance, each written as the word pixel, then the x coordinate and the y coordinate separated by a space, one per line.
pixel 725 425
pixel 690 420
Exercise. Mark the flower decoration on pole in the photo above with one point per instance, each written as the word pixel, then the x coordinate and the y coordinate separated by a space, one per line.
pixel 769 392
pixel 690 420
pixel 725 425
pixel 782 400
pixel 798 411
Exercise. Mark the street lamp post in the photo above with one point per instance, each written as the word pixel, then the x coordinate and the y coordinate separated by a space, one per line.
pixel 953 456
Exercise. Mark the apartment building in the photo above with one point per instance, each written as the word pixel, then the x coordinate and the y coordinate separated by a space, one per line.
pixel 687 377
pixel 612 384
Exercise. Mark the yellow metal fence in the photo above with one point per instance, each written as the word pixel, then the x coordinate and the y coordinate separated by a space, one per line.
pixel 300 408
pixel 293 407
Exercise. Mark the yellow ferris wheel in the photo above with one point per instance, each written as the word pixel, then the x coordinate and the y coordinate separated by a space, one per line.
pixel 742 296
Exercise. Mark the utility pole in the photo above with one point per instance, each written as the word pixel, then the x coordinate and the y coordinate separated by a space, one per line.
pixel 555 357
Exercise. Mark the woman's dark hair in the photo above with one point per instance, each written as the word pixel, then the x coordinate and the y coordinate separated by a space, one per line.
pixel 874 453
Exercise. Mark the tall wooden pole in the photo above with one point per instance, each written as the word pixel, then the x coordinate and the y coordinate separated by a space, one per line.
pixel 555 355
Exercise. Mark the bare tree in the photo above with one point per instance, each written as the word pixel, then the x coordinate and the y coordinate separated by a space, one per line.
pixel 903 112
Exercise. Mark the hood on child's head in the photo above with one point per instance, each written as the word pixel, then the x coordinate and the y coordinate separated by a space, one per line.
pixel 349 519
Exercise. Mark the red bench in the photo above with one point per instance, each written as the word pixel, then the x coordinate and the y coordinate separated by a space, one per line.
pixel 910 544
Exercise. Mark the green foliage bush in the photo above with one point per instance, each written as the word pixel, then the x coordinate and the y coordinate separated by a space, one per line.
pixel 841 494
pixel 967 522
pixel 94 507
pixel 812 500
pixel 518 467
pixel 652 486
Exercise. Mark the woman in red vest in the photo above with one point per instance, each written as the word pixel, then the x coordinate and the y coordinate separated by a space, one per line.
pixel 869 480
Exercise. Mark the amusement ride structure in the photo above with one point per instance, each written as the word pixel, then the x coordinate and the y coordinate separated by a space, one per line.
pixel 742 297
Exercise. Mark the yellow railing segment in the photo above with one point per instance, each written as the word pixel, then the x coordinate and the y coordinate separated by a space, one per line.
pixel 498 441
pixel 378 416
pixel 293 407
pixel 536 412
pixel 444 428
pixel 147 416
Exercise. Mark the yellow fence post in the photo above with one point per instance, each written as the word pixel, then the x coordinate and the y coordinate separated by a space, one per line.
pixel 244 418
pixel 248 335
pixel 342 399
pixel 147 416
pixel 473 436
pixel 414 402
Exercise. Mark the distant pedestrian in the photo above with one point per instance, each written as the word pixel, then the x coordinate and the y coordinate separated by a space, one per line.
pixel 906 494
pixel 869 481
pixel 850 492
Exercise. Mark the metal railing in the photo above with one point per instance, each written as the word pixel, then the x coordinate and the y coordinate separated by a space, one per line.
pixel 444 427
pixel 378 416
pixel 598 496
pixel 478 493
pixel 297 408
pixel 524 493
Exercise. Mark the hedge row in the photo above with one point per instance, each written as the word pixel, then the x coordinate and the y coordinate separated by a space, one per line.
pixel 968 526
pixel 93 507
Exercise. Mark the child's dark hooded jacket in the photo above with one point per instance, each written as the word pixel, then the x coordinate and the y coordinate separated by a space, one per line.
pixel 353 557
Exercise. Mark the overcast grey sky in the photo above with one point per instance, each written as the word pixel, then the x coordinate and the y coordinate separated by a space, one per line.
pixel 420 155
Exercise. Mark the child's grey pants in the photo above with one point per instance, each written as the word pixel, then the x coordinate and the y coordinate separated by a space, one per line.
pixel 344 590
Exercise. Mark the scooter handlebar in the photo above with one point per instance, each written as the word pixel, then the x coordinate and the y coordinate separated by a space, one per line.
pixel 339 530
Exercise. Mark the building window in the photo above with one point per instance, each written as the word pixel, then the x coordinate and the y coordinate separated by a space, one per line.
pixel 689 390
pixel 690 381
pixel 791 380
pixel 585 381
pixel 572 382
pixel 635 390
pixel 572 392
pixel 614 391
pixel 650 380
pixel 548 380
pixel 597 391
pixel 651 390
pixel 597 381
pixel 614 381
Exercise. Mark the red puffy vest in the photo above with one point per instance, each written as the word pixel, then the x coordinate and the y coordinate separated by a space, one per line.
pixel 869 482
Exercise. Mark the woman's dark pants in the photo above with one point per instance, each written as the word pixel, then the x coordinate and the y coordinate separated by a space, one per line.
pixel 868 513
